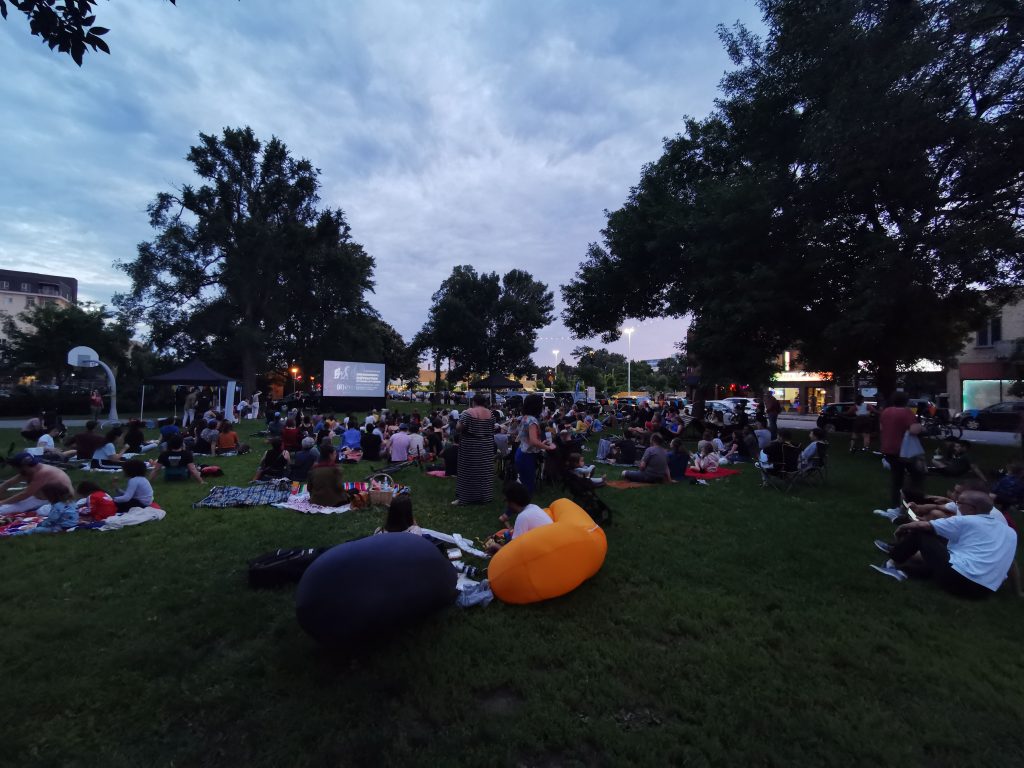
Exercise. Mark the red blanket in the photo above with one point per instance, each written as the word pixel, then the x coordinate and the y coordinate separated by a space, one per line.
pixel 722 472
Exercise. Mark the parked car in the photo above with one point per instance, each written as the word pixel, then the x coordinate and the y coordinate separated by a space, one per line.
pixel 1001 417
pixel 748 403
pixel 837 417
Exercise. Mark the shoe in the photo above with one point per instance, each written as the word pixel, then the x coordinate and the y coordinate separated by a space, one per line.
pixel 624 472
pixel 701 481
pixel 890 570
pixel 883 545
pixel 455 503
pixel 888 514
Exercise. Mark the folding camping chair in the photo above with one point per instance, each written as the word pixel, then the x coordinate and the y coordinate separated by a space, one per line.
pixel 782 468
pixel 584 493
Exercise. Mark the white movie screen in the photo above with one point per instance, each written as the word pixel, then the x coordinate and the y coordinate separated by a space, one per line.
pixel 344 378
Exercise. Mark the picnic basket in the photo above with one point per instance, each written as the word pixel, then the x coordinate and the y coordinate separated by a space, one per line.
pixel 382 489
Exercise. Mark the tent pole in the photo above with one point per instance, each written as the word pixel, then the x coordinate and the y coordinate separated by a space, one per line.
pixel 142 401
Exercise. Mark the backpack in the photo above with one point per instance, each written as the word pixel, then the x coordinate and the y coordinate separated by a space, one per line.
pixel 282 566
pixel 211 471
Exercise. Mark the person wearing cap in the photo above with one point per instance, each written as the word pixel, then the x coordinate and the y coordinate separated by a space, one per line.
pixel 35 475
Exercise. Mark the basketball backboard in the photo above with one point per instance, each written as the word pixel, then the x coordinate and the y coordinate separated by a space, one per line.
pixel 83 357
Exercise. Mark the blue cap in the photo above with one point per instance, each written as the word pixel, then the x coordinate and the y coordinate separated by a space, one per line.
pixel 23 459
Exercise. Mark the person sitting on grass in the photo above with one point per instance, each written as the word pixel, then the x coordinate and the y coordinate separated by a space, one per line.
pixel 399 518
pixel 176 455
pixel 325 484
pixel 207 438
pixel 351 438
pixel 1008 490
pixel 62 514
pixel 809 455
pixel 47 441
pixel 35 476
pixel 135 439
pixel 106 456
pixel 303 460
pixel 763 435
pixel 653 465
pixel 707 460
pixel 678 460
pixel 527 517
pixel 953 461
pixel 275 427
pixel 227 439
pixel 275 461
pixel 968 555
pixel 370 442
pixel 99 505
pixel 137 492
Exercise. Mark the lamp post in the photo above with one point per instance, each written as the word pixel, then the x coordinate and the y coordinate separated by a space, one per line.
pixel 629 359
pixel 295 372
pixel 555 369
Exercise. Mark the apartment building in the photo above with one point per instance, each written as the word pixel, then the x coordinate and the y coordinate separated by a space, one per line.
pixel 22 290
pixel 990 363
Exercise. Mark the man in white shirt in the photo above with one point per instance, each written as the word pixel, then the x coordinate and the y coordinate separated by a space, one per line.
pixel 416 449
pixel 399 444
pixel 969 554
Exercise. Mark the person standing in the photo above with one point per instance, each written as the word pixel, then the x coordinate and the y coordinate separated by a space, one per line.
pixel 255 404
pixel 772 408
pixel 95 404
pixel 895 423
pixel 475 484
pixel 531 442
pixel 190 407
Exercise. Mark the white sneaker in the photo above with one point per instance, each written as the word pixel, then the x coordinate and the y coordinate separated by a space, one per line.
pixel 888 514
pixel 884 546
pixel 890 570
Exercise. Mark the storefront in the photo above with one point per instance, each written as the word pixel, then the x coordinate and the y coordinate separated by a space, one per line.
pixel 803 391
pixel 980 385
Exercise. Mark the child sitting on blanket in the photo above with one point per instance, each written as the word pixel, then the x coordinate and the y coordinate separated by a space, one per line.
pixel 708 460
pixel 400 519
pixel 137 491
pixel 678 459
pixel 63 514
pixel 98 503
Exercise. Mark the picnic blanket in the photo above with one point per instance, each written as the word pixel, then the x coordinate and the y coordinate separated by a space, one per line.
pixel 21 524
pixel 717 475
pixel 257 493
pixel 300 503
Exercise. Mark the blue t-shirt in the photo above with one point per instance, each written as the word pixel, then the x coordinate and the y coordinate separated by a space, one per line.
pixel 168 431
pixel 352 438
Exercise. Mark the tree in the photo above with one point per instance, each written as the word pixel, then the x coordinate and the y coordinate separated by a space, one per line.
pixel 52 330
pixel 67 25
pixel 246 266
pixel 867 213
pixel 486 324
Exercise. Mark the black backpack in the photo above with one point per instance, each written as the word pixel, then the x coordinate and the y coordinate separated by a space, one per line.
pixel 282 566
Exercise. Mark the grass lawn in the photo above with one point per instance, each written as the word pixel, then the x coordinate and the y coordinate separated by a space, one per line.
pixel 730 625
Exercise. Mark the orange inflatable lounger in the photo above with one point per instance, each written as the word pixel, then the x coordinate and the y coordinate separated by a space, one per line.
pixel 549 561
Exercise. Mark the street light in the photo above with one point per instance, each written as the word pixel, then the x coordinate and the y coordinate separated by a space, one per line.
pixel 629 360
pixel 295 372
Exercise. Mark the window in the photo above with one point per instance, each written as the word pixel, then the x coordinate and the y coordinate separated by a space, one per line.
pixel 25 286
pixel 5 285
pixel 990 332
pixel 30 301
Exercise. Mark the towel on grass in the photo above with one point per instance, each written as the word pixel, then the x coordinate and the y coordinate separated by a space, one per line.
pixel 300 503
pixel 716 475
pixel 25 521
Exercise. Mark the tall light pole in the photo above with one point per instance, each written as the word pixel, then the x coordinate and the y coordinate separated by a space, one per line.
pixel 629 359
pixel 555 369
pixel 295 372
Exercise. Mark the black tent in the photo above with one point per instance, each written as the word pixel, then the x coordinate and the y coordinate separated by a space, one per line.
pixel 192 372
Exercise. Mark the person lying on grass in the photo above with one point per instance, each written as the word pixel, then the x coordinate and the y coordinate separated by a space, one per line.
pixel 527 517
pixel 653 466
pixel 968 555
pixel 176 456
pixel 62 513
pixel 952 461
pixel 36 476
pixel 137 492
pixel 400 518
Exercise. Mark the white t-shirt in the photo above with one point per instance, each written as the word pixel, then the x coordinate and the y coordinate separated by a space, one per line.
pixel 45 441
pixel 104 452
pixel 416 445
pixel 981 547
pixel 531 517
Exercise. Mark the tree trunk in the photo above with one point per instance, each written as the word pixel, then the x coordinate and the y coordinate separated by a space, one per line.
pixel 437 371
pixel 885 379
pixel 248 371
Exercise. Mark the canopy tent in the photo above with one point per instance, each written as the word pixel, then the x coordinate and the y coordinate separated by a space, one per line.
pixel 198 373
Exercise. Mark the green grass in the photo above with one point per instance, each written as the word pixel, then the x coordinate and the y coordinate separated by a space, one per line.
pixel 729 625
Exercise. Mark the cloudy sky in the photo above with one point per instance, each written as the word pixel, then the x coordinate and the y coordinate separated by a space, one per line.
pixel 486 133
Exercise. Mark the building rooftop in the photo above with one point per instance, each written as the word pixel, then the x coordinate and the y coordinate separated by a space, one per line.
pixel 67 287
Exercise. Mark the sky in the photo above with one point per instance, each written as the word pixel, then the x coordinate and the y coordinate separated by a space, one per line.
pixel 487 133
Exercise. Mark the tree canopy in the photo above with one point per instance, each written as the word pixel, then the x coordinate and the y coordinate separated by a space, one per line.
pixel 485 323
pixel 856 194
pixel 247 269
pixel 51 330
pixel 69 26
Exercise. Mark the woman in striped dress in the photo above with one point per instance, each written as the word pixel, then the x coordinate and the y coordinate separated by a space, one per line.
pixel 475 481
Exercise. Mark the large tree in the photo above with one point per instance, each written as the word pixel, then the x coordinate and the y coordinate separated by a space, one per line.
pixel 857 193
pixel 485 323
pixel 47 332
pixel 69 26
pixel 246 268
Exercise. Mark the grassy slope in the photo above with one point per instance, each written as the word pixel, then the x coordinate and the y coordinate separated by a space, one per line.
pixel 730 624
